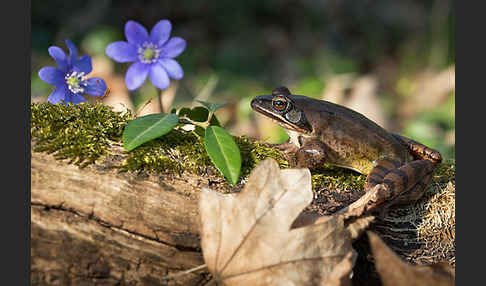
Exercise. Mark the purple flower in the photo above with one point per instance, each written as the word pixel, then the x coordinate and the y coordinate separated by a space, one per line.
pixel 152 54
pixel 69 77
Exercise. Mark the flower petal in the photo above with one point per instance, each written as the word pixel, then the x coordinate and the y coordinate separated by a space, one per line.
pixel 136 75
pixel 122 52
pixel 83 65
pixel 158 76
pixel 51 75
pixel 74 98
pixel 60 57
pixel 160 32
pixel 173 68
pixel 96 86
pixel 58 94
pixel 173 47
pixel 135 33
pixel 73 51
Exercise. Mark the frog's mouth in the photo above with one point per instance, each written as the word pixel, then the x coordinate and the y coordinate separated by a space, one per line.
pixel 277 118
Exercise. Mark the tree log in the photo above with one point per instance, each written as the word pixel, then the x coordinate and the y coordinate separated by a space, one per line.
pixel 96 225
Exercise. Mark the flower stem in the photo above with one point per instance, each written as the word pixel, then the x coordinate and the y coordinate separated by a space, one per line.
pixel 159 97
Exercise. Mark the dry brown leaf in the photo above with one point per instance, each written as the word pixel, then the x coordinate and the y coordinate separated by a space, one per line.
pixel 247 237
pixel 394 271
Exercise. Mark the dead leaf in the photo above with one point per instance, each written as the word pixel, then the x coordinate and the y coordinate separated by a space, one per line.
pixel 359 225
pixel 247 237
pixel 394 271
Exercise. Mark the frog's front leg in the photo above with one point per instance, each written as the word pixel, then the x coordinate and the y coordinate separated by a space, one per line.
pixel 308 153
pixel 288 149
pixel 311 153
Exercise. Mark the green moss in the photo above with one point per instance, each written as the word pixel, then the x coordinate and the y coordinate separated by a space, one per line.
pixel 176 151
pixel 81 133
pixel 179 151
pixel 337 178
pixel 252 152
pixel 445 172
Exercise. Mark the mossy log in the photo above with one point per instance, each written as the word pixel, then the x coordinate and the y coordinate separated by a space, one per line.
pixel 100 215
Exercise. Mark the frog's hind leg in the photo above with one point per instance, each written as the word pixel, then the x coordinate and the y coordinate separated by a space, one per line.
pixel 398 183
pixel 415 193
pixel 419 152
pixel 381 169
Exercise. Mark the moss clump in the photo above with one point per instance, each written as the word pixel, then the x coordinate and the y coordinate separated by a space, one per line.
pixel 337 178
pixel 81 133
pixel 445 172
pixel 252 152
pixel 176 151
pixel 179 151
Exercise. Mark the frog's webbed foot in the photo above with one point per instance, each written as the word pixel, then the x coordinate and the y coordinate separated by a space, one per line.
pixel 398 183
pixel 419 151
pixel 286 148
pixel 309 155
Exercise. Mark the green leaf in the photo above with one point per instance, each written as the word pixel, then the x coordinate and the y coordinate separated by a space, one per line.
pixel 212 106
pixel 198 114
pixel 145 128
pixel 224 152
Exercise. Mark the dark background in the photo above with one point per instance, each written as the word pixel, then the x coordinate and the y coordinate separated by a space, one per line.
pixel 333 50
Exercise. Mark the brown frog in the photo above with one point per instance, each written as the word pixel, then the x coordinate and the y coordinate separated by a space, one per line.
pixel 321 131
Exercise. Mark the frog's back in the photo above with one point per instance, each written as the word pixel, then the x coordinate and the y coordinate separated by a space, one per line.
pixel 352 140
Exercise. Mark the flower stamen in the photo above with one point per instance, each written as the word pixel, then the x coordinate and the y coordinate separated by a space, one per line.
pixel 148 53
pixel 76 81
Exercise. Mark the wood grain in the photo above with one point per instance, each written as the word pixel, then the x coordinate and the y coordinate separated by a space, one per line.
pixel 99 226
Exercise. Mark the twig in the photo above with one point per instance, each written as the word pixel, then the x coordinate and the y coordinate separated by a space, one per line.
pixel 182 273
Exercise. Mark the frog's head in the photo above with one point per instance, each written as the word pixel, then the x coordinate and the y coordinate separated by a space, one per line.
pixel 283 108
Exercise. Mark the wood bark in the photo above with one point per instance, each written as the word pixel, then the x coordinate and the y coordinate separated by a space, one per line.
pixel 97 226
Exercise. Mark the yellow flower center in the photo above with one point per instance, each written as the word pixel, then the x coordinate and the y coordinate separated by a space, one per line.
pixel 73 81
pixel 149 54
pixel 76 82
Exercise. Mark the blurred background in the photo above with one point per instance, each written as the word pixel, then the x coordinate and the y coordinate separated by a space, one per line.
pixel 393 61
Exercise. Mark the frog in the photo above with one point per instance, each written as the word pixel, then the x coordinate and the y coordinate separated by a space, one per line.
pixel 324 132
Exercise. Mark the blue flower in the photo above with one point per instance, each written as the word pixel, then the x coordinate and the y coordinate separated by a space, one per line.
pixel 69 77
pixel 152 54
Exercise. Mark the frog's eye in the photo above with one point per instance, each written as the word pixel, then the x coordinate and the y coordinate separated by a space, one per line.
pixel 280 103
